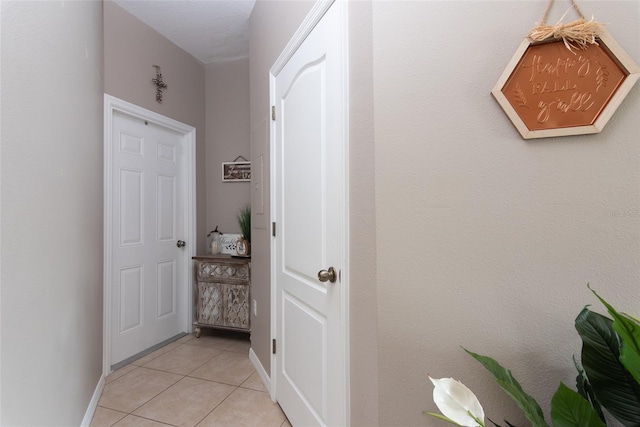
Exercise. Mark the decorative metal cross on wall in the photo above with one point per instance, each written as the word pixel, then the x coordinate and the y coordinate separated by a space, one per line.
pixel 159 84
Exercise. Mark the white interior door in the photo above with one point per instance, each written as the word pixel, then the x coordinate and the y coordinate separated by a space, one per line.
pixel 310 211
pixel 148 198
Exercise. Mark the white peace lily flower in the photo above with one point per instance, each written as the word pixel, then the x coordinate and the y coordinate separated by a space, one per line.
pixel 457 402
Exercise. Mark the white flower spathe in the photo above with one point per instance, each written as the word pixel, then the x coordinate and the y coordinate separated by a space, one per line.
pixel 457 402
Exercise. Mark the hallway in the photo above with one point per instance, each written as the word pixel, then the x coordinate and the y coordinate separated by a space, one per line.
pixel 206 381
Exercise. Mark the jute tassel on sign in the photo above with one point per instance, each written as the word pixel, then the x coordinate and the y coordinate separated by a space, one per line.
pixel 575 35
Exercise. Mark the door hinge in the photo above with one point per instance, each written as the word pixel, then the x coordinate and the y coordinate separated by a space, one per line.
pixel 274 346
pixel 273 113
pixel 273 229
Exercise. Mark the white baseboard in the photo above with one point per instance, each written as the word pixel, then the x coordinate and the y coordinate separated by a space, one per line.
pixel 91 410
pixel 261 372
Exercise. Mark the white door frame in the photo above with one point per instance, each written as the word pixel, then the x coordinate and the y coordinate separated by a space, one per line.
pixel 112 105
pixel 315 14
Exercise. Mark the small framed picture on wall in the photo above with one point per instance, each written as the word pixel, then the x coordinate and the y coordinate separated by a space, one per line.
pixel 236 171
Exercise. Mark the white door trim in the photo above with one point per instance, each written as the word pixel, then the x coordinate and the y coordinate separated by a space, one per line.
pixel 112 105
pixel 315 14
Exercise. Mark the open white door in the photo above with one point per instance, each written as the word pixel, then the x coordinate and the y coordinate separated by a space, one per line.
pixel 309 92
pixel 148 277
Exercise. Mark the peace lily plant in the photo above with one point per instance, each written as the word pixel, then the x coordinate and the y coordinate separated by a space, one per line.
pixel 457 403
pixel 608 381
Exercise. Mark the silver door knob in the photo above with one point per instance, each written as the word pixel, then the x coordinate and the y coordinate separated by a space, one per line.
pixel 330 275
pixel 181 243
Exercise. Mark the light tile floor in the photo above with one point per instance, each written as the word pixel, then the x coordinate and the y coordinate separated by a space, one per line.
pixel 206 381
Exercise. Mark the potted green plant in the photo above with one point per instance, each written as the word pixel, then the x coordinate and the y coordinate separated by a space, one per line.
pixel 608 382
pixel 243 245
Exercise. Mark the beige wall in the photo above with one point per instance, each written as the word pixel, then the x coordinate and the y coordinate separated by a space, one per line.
pixel 271 26
pixel 51 174
pixel 266 45
pixel 131 48
pixel 363 241
pixel 227 106
pixel 483 239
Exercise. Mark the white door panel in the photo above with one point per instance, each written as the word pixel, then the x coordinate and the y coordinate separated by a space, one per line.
pixel 148 200
pixel 166 288
pixel 309 207
pixel 130 296
pixel 130 212
pixel 304 367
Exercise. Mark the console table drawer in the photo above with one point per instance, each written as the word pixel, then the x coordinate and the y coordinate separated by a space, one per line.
pixel 219 271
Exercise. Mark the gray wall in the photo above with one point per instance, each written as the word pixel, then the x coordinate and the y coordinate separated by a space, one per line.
pixel 131 48
pixel 227 106
pixel 272 25
pixel 51 174
pixel 483 239
pixel 363 298
pixel 266 46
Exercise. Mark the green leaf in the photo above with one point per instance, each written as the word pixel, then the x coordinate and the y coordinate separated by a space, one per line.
pixel 612 384
pixel 586 390
pixel 510 385
pixel 626 326
pixel 569 409
pixel 631 360
pixel 633 318
pixel 244 221
pixel 442 417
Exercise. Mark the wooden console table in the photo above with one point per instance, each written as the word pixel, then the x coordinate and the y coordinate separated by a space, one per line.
pixel 222 293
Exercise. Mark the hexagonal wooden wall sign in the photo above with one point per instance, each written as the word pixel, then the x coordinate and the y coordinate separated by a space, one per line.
pixel 548 90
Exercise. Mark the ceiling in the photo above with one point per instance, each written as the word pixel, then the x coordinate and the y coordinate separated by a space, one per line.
pixel 210 30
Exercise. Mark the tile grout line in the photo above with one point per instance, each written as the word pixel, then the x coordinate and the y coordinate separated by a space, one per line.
pixel 219 382
pixel 121 376
pixel 151 419
pixel 169 372
pixel 218 405
pixel 149 400
pixel 159 355
pixel 183 376
pixel 174 373
pixel 229 395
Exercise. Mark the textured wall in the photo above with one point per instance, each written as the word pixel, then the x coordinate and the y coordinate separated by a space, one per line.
pixel 463 233
pixel 266 45
pixel 272 25
pixel 131 48
pixel 363 245
pixel 483 239
pixel 227 106
pixel 51 174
